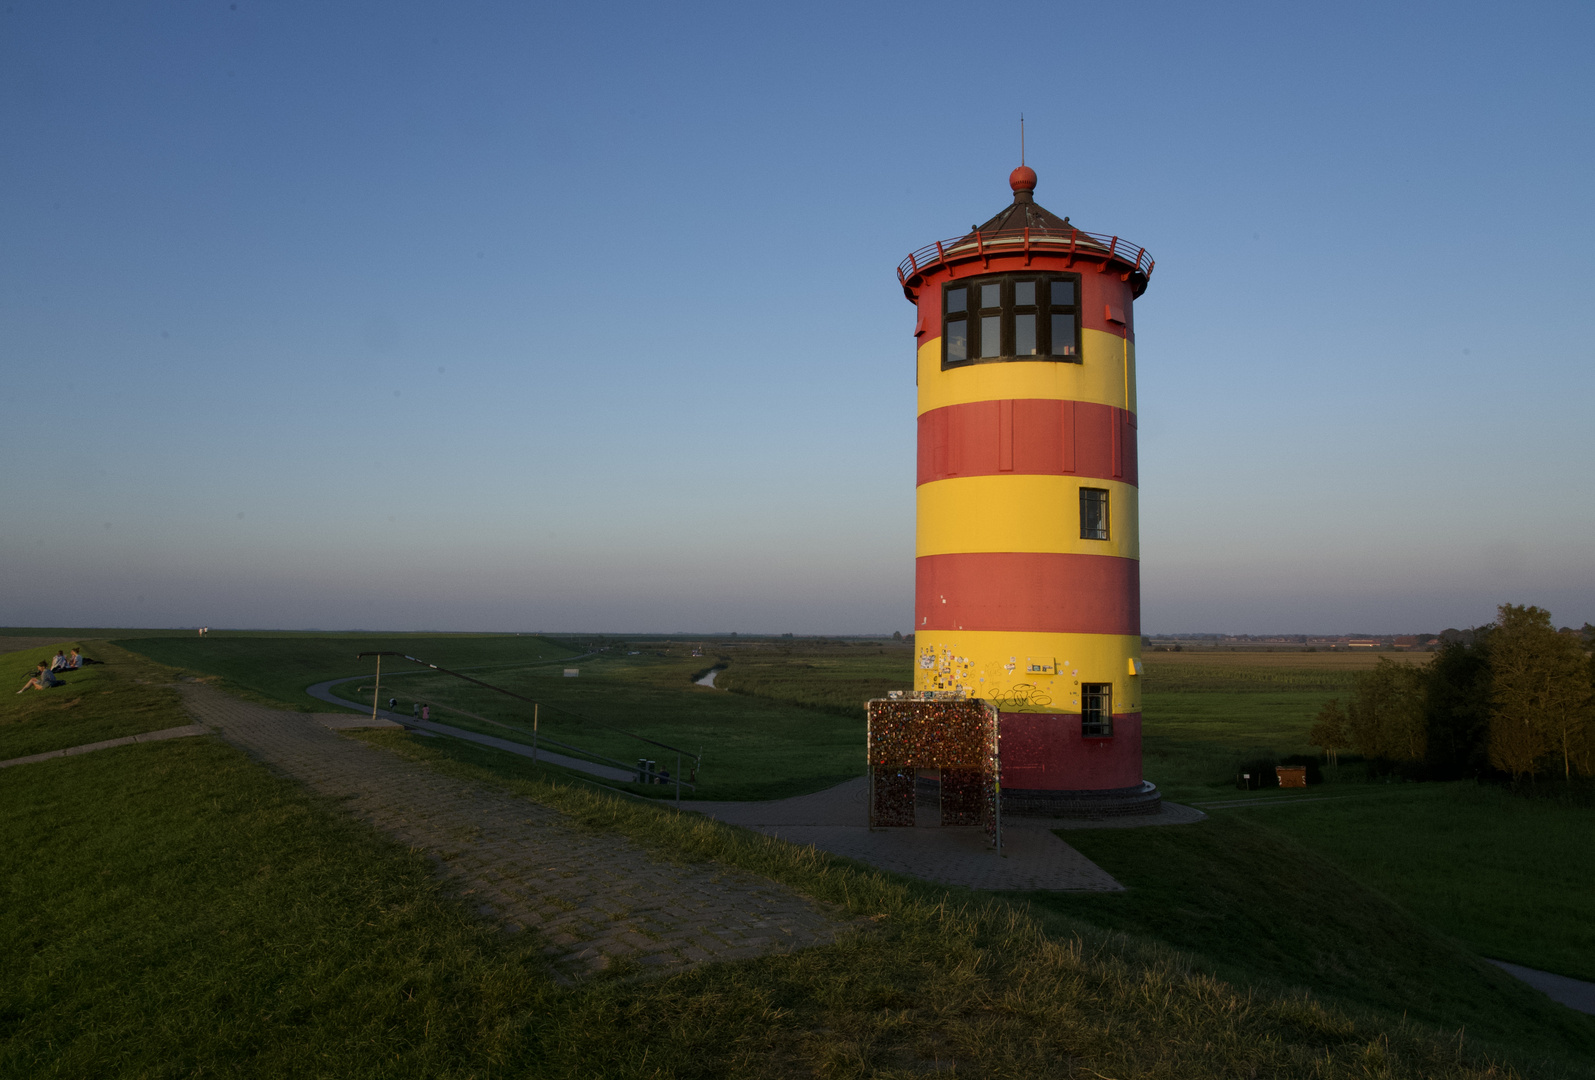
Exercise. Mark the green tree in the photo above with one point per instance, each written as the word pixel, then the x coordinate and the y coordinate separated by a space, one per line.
pixel 1387 713
pixel 1541 708
pixel 1458 706
pixel 1329 732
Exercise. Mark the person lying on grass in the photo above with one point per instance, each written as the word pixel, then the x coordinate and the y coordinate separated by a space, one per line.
pixel 43 679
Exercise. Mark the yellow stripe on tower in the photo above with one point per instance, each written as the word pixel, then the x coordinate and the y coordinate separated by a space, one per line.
pixel 1101 377
pixel 978 659
pixel 1022 512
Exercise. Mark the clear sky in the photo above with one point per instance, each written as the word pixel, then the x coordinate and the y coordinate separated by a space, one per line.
pixel 584 317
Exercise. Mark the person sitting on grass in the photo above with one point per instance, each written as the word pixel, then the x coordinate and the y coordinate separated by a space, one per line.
pixel 59 663
pixel 74 661
pixel 43 679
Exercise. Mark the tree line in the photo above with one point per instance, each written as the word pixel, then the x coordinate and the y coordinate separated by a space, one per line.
pixel 1513 698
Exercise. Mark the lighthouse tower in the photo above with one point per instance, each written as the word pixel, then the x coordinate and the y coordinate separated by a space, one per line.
pixel 1027 581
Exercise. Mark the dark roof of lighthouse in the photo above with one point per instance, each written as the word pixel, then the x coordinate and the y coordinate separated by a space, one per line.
pixel 1039 229
pixel 1024 212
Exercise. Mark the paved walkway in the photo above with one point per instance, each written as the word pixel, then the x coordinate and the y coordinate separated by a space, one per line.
pixel 596 897
pixel 322 691
pixel 126 740
pixel 1032 856
pixel 1574 993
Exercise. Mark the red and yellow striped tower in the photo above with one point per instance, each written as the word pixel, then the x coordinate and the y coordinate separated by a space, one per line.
pixel 1027 583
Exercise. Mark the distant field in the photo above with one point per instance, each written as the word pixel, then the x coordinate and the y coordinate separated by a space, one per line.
pixel 834 678
pixel 1282 658
pixel 280 666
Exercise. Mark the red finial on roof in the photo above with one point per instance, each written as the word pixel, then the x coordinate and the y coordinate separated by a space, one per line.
pixel 1022 179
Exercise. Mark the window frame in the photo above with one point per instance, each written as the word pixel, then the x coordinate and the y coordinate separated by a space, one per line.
pixel 1101 726
pixel 1107 517
pixel 1043 309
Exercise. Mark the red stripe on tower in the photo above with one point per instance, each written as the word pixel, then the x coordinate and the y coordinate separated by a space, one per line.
pixel 1028 592
pixel 1030 435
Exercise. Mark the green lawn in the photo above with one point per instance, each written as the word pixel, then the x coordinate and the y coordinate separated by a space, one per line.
pixel 1504 875
pixel 1192 741
pixel 1514 878
pixel 1262 908
pixel 83 708
pixel 1507 875
pixel 833 678
pixel 752 748
pixel 173 909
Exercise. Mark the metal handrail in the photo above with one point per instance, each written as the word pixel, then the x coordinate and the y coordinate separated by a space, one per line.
pixel 539 739
pixel 696 758
pixel 978 244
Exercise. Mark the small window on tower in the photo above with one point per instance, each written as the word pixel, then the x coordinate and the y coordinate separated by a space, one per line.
pixel 1093 514
pixel 1096 709
pixel 957 300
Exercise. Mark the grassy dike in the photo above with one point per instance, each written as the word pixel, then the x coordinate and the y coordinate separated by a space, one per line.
pixel 123 695
pixel 173 909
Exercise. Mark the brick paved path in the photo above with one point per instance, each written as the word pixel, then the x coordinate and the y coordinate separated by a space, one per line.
pixel 596 897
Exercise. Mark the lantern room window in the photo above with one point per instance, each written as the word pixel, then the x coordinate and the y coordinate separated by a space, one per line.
pixel 1096 709
pixel 1011 317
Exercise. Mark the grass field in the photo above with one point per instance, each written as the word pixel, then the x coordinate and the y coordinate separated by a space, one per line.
pixel 752 747
pixel 1264 909
pixel 1506 875
pixel 278 667
pixel 173 909
pixel 1476 865
pixel 121 696
pixel 831 678
pixel 1514 878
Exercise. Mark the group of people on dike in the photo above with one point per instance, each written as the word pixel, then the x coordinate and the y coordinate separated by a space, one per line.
pixel 44 677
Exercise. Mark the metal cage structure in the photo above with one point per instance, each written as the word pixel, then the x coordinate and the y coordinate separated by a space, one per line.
pixel 954 735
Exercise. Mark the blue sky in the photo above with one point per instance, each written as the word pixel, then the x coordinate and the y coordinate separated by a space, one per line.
pixel 498 316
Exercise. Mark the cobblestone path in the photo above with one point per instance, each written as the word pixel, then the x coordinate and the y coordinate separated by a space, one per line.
pixel 594 897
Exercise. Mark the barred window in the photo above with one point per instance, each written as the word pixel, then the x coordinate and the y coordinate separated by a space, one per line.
pixel 1096 709
pixel 1005 317
pixel 1093 514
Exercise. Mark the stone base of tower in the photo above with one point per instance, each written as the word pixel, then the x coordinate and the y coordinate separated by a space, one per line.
pixel 1144 798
